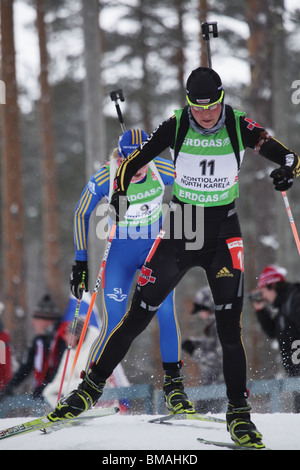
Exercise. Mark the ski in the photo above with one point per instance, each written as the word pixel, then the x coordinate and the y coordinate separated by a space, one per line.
pixel 187 416
pixel 44 424
pixel 82 419
pixel 229 445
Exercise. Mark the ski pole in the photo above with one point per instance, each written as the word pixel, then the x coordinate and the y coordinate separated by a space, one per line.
pixel 291 219
pixel 117 95
pixel 96 288
pixel 70 343
pixel 207 29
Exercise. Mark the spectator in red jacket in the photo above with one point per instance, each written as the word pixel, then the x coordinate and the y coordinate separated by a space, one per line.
pixel 5 354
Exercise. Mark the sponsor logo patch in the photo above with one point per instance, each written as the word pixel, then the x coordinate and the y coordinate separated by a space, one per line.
pixel 224 272
pixel 146 276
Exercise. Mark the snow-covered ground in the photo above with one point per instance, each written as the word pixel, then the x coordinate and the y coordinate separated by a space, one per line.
pixel 130 433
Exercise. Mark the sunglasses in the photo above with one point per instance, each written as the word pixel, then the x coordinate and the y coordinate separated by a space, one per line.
pixel 210 107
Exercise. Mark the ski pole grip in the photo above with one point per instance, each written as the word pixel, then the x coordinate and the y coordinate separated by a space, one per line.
pixel 209 28
pixel 117 95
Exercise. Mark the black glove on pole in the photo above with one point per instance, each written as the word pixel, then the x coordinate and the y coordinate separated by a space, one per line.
pixel 282 178
pixel 79 278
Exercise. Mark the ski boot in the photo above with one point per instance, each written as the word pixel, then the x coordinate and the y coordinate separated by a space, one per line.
pixel 80 400
pixel 175 398
pixel 242 431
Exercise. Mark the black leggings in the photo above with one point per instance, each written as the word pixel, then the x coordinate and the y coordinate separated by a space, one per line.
pixel 221 256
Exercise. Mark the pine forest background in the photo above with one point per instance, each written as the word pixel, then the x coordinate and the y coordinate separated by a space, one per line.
pixel 60 59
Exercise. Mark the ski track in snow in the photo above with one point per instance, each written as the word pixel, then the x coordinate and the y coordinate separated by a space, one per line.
pixel 126 432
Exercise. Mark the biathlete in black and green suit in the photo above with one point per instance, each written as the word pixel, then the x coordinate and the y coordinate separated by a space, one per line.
pixel 207 141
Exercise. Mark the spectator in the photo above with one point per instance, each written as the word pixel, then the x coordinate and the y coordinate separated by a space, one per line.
pixel 277 306
pixel 43 355
pixel 5 353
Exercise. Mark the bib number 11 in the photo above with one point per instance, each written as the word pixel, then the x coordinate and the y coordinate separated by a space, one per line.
pixel 207 167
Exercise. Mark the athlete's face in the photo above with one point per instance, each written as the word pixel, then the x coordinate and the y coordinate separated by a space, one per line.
pixel 140 174
pixel 206 118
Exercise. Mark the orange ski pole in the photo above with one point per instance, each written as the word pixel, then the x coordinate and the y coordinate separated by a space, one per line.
pixel 70 343
pixel 291 219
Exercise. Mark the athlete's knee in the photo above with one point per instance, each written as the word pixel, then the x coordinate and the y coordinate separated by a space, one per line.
pixel 228 319
pixel 141 304
pixel 140 313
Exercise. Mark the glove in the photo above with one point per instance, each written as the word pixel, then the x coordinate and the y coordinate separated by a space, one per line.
pixel 282 178
pixel 118 206
pixel 78 277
